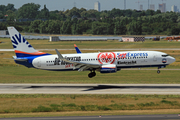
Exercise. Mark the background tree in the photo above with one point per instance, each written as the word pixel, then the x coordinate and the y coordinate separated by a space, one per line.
pixel 99 28
pixel 34 27
pixel 134 28
pixel 120 28
pixel 44 13
pixel 43 27
pixel 29 10
pixel 66 27
pixel 82 21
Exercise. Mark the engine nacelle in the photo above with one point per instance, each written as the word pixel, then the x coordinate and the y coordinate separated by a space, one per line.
pixel 111 68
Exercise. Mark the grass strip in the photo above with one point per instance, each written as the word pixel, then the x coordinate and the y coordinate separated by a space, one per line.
pixel 40 103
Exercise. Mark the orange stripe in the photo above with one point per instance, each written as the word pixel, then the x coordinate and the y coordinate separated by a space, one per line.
pixel 75 45
pixel 35 53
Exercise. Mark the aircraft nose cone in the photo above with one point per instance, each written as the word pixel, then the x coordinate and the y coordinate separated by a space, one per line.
pixel 172 59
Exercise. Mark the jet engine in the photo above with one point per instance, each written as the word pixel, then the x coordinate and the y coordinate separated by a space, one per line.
pixel 111 68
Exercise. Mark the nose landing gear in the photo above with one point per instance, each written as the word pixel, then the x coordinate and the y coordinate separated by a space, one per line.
pixel 91 74
pixel 158 71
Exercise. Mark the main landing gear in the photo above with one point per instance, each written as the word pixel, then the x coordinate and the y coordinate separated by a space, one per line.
pixel 91 74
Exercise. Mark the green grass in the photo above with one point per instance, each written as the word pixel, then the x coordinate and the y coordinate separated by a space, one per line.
pixel 36 103
pixel 39 105
pixel 115 44
pixel 20 74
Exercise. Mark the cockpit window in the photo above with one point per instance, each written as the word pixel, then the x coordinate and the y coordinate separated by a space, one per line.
pixel 165 55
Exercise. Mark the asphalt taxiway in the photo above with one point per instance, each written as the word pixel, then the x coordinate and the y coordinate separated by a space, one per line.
pixel 161 89
pixel 122 117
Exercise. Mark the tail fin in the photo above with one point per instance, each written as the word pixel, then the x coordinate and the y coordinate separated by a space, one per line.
pixel 21 46
pixel 77 49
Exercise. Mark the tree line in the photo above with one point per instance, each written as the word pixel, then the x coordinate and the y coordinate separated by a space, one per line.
pixel 81 21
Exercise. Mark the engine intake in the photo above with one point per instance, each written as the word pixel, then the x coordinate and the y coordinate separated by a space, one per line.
pixel 111 68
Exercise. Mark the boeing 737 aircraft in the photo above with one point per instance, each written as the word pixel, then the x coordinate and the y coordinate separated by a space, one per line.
pixel 104 62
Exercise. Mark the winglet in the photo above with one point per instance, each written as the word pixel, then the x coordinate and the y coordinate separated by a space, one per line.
pixel 77 49
pixel 75 45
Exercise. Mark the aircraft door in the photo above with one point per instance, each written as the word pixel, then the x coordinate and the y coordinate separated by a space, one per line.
pixel 154 58
pixel 39 63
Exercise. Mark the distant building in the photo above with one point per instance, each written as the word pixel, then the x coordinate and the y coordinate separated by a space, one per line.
pixel 4 32
pixel 152 7
pixel 53 38
pixel 133 39
pixel 162 7
pixel 97 6
pixel 174 8
pixel 141 8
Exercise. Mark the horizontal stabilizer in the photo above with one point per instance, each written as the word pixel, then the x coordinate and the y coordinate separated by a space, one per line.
pixel 16 59
pixel 21 59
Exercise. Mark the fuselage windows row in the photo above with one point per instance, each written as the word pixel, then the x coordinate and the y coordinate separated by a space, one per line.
pixel 104 59
pixel 49 61
pixel 132 58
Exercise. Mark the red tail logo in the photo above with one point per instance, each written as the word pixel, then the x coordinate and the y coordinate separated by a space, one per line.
pixel 106 57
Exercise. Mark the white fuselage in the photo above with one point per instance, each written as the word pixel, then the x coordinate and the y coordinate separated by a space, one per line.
pixel 126 59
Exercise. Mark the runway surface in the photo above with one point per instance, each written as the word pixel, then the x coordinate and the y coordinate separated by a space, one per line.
pixel 123 117
pixel 161 89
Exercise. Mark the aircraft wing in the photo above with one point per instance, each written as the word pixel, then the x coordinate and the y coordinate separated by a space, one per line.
pixel 82 66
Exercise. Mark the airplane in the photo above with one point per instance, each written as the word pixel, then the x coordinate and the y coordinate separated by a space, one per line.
pixel 104 62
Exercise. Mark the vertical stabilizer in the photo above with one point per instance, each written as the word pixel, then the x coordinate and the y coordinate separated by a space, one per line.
pixel 21 46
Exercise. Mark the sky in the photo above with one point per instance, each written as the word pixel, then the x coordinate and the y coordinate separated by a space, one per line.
pixel 89 4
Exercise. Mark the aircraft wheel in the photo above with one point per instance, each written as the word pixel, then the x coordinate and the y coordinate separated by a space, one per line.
pixel 94 74
pixel 158 71
pixel 90 75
